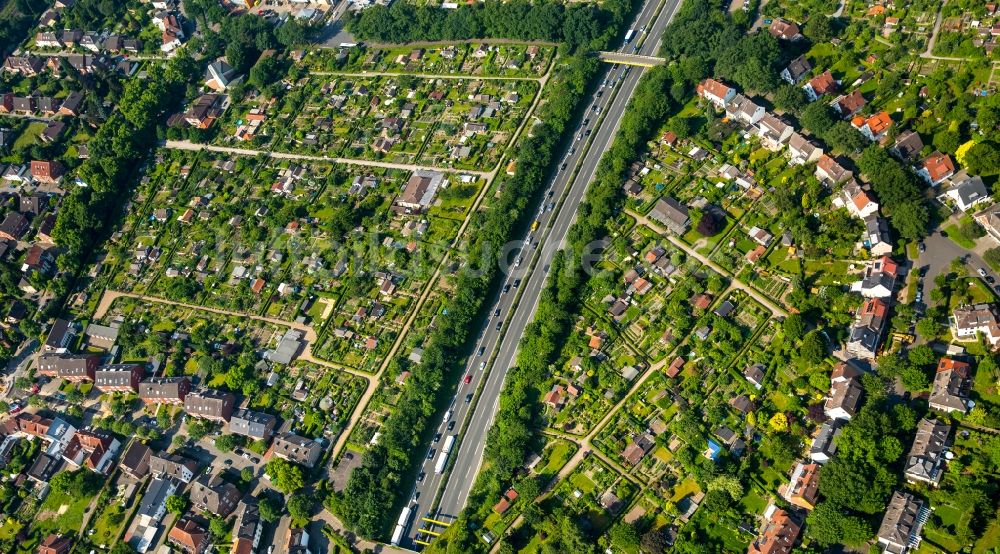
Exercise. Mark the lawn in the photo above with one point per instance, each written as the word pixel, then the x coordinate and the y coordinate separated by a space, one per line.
pixel 686 487
pixel 29 136
pixel 990 539
pixel 10 528
pixel 958 238
pixel 60 513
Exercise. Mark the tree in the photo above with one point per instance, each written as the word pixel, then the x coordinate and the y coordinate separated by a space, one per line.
pixel 122 547
pixel 270 509
pixel 177 503
pixel 983 158
pixel 265 72
pixel 828 526
pixel 300 506
pixel 218 526
pixel 790 98
pixel 794 327
pixel 911 220
pixel 728 484
pixel 750 62
pixel 624 537
pixel 286 476
pixel 819 28
pixel 778 422
pixel 818 118
pixel 246 474
pixel 813 349
pixel 226 443
pixel 928 328
pixel 240 56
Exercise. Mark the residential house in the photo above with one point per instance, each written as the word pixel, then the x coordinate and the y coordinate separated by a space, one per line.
pixel 969 321
pixel 874 128
pixel 802 151
pixel 420 190
pixel 877 237
pixel 716 92
pixel 152 508
pixel 969 193
pixel 989 218
pixel 294 448
pixel 824 444
pixel 39 258
pixel 71 104
pixel 204 111
pixel 164 390
pixel 869 324
pixel 101 336
pixel 784 30
pixel 848 105
pixel 820 85
pixel 289 347
pixel 135 460
pixel 220 75
pixel 803 487
pixel 47 40
pixel 796 70
pixel 926 460
pixel 188 536
pixel 28 66
pixel 908 145
pixel 60 335
pixel 778 535
pixel 952 383
pixel 844 399
pixel 214 495
pixel 56 544
pixel 760 236
pixel 248 527
pixel 640 445
pixel 672 214
pixel 95 450
pixel 902 524
pixel 210 404
pixel 119 377
pixel 14 226
pixel 754 374
pixel 879 279
pixel 173 466
pixel 46 171
pixel 831 172
pixel 256 425
pixel 744 110
pixel 936 168
pixel 773 132
pixel 72 368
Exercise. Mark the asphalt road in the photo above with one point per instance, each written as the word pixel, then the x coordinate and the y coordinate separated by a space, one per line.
pixel 468 453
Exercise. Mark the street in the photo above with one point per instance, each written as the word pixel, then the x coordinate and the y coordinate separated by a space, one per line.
pixel 494 338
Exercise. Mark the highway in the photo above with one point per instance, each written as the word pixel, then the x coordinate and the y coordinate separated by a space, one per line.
pixel 556 213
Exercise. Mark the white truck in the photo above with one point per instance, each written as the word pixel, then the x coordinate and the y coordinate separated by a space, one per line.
pixel 442 460
pixel 401 523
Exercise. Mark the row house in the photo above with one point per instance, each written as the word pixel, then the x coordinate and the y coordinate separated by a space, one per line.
pixel 908 146
pixel 173 466
pixel 93 449
pixel 778 534
pixel 820 85
pixel 744 110
pixel 937 167
pixel 295 448
pixel 829 171
pixel 210 404
pixel 802 489
pixel 773 132
pixel 27 66
pixel 119 377
pixel 716 92
pixel 802 151
pixel 164 390
pixel 848 105
pixel 213 495
pixel 796 70
pixel 877 239
pixel 255 425
pixel 72 368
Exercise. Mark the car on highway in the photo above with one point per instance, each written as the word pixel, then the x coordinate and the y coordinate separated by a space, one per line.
pixel 517 263
pixel 579 136
pixel 517 283
pixel 451 425
pixel 482 365
pixel 586 122
pixel 481 351
pixel 420 477
pixel 468 379
pixel 437 437
pixel 416 495
pixel 506 288
pixel 552 206
pixel 551 192
pixel 431 452
pixel 499 325
pixel 572 151
pixel 600 93
pixel 468 398
pixel 562 167
pixel 496 312
pixel 587 133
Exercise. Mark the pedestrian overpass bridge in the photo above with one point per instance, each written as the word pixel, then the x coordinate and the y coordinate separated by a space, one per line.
pixel 630 59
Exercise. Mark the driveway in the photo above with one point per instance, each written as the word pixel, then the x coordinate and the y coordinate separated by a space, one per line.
pixel 937 256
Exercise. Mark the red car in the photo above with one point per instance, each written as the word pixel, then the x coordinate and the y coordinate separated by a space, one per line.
pixel 468 379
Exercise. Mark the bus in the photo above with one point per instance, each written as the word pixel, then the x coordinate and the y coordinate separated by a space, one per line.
pixel 401 523
pixel 442 460
pixel 629 35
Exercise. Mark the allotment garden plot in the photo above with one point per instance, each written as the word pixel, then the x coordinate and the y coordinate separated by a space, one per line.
pixel 446 123
pixel 319 243
pixel 480 60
